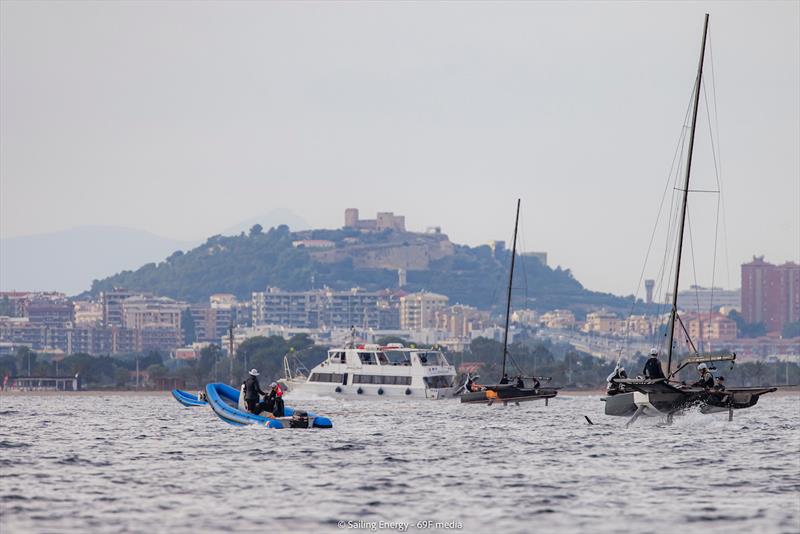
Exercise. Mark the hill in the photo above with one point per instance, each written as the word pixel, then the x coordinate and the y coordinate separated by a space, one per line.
pixel 250 262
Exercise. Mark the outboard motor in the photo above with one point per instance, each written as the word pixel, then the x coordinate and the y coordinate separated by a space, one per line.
pixel 299 419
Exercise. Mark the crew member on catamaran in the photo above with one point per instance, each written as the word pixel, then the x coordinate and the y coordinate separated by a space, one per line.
pixel 706 378
pixel 720 385
pixel 612 388
pixel 652 368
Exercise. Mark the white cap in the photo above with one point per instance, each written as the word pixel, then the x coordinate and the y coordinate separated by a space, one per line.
pixel 274 384
pixel 702 366
pixel 654 352
pixel 253 372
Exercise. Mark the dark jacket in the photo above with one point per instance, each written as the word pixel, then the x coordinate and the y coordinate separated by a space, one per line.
pixel 252 389
pixel 652 369
pixel 706 381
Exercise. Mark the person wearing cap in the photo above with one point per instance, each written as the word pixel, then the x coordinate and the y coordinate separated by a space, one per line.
pixel 252 390
pixel 652 368
pixel 720 385
pixel 612 387
pixel 706 378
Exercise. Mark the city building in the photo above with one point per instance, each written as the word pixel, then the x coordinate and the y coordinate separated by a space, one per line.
pixel 88 313
pixel 704 327
pixel 459 321
pixel 562 319
pixel 770 293
pixel 604 322
pixel 325 308
pixel 418 310
pixel 112 305
pixel 699 299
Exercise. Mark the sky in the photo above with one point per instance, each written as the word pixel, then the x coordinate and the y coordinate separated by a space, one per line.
pixel 185 118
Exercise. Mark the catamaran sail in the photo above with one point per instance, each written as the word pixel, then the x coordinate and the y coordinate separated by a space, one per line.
pixel 524 388
pixel 662 396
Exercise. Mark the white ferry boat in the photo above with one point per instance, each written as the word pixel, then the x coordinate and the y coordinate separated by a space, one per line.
pixel 391 371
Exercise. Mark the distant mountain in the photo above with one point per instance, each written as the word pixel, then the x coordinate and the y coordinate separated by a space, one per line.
pixel 241 264
pixel 68 261
pixel 270 219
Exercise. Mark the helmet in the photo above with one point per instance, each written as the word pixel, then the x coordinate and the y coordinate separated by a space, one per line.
pixel 654 352
pixel 702 366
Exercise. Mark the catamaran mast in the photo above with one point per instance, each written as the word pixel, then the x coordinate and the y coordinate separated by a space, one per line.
pixel 697 84
pixel 510 281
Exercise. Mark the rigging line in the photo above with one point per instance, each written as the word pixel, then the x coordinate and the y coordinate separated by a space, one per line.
pixel 688 338
pixel 671 247
pixel 698 190
pixel 716 221
pixel 676 156
pixel 694 270
pixel 719 174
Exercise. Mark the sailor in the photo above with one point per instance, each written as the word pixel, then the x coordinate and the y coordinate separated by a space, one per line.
pixel 471 385
pixel 706 378
pixel 276 399
pixel 520 383
pixel 652 368
pixel 504 380
pixel 252 390
pixel 720 385
pixel 612 387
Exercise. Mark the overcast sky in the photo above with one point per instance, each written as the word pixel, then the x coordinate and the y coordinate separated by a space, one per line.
pixel 185 118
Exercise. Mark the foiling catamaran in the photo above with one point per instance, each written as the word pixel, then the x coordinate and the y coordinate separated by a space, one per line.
pixel 524 388
pixel 664 396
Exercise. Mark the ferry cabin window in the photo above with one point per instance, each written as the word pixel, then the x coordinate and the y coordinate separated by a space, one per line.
pixel 430 358
pixel 367 358
pixel 338 357
pixel 383 380
pixel 397 357
pixel 383 359
pixel 438 381
pixel 326 377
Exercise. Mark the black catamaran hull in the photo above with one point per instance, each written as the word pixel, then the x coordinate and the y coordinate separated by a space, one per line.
pixel 507 394
pixel 660 398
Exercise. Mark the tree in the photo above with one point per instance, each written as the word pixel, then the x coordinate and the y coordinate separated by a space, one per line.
pixel 791 330
pixel 256 229
pixel 187 325
pixel 156 371
pixel 26 360
pixel 121 376
pixel 746 329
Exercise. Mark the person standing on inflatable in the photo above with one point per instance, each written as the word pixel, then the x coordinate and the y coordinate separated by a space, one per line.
pixel 252 390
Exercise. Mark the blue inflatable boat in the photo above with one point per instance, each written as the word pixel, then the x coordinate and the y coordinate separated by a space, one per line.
pixel 224 400
pixel 187 399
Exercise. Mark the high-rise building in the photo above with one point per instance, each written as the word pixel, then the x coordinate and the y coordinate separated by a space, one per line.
pixel 418 310
pixel 770 293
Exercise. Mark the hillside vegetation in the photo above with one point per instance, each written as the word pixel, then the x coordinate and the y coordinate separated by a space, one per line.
pixel 250 262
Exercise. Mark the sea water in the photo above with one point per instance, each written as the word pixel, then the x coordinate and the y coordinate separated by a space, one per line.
pixel 122 462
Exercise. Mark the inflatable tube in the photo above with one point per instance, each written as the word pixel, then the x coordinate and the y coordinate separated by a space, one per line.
pixel 223 399
pixel 187 399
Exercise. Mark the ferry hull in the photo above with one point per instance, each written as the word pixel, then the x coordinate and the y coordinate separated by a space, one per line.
pixel 369 391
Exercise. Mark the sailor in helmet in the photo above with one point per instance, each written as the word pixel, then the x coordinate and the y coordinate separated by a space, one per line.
pixel 652 368
pixel 612 387
pixel 706 378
